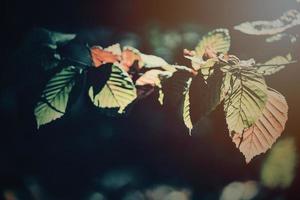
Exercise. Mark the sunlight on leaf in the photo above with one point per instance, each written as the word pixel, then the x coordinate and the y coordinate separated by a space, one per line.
pixel 261 136
pixel 118 92
pixel 218 41
pixel 55 96
pixel 186 109
pixel 245 100
pixel 279 168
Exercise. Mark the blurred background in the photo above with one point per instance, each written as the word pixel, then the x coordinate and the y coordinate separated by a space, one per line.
pixel 149 154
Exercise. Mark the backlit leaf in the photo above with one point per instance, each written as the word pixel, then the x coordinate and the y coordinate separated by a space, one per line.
pixel 186 115
pixel 261 136
pixel 217 41
pixel 118 92
pixel 245 99
pixel 55 96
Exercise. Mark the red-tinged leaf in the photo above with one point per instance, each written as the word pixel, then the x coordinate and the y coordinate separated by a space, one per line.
pixel 262 135
pixel 101 56
pixel 128 58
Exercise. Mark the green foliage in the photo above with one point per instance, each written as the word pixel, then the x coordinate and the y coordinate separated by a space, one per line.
pixel 255 114
pixel 245 99
pixel 186 111
pixel 218 40
pixel 278 170
pixel 54 99
pixel 118 92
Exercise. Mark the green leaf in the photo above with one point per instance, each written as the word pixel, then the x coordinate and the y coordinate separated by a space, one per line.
pixel 174 88
pixel 186 112
pixel 274 65
pixel 118 92
pixel 279 168
pixel 245 99
pixel 218 40
pixel 214 94
pixel 55 96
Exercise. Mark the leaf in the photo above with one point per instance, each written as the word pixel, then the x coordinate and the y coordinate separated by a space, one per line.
pixel 274 65
pixel 289 19
pixel 102 56
pixel 261 136
pixel 55 96
pixel 118 92
pixel 186 112
pixel 279 168
pixel 210 99
pixel 61 38
pixel 153 77
pixel 151 61
pixel 174 88
pixel 217 40
pixel 245 100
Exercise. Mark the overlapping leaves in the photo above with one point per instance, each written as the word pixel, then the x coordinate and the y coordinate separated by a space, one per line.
pixel 118 92
pixel 255 115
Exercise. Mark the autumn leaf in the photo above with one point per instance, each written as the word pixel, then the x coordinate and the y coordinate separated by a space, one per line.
pixel 264 132
pixel 102 56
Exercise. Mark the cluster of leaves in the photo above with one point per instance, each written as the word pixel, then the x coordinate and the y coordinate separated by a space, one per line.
pixel 255 114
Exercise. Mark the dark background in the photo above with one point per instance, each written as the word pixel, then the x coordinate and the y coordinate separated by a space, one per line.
pixel 67 156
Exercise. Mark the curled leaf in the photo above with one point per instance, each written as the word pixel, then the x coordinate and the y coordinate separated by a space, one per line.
pixel 264 132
